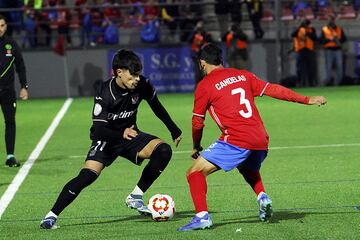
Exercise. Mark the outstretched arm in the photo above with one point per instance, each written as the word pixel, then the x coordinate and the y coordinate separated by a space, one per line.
pixel 283 93
pixel 164 116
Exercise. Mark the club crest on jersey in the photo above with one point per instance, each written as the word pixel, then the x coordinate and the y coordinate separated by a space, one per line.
pixel 135 99
pixel 8 48
pixel 97 109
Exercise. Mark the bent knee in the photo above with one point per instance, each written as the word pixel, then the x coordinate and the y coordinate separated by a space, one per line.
pixel 163 149
pixel 203 166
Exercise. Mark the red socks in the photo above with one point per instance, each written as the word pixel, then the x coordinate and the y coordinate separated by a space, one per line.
pixel 254 180
pixel 198 189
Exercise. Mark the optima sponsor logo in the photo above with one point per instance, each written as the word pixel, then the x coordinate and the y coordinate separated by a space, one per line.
pixel 123 114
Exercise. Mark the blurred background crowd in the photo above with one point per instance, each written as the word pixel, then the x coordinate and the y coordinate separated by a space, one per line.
pixel 38 24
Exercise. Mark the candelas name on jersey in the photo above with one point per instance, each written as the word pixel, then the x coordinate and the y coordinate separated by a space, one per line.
pixel 229 81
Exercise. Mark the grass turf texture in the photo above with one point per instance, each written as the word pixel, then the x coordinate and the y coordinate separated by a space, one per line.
pixel 314 190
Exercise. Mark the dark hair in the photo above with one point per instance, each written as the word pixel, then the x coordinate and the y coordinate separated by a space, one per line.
pixel 126 59
pixel 211 54
pixel 306 23
pixel 235 27
pixel 2 17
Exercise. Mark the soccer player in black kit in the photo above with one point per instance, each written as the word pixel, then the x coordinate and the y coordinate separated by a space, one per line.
pixel 114 133
pixel 10 56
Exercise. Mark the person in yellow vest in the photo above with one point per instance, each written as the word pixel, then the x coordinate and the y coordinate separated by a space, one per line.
pixel 236 42
pixel 333 39
pixel 304 38
pixel 36 3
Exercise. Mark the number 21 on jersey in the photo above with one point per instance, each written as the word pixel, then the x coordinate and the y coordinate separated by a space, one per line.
pixel 243 101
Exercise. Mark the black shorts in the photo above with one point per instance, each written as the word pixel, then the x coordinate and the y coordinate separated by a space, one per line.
pixel 106 152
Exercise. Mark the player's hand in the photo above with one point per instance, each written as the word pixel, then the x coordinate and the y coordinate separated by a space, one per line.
pixel 196 152
pixel 24 95
pixel 317 100
pixel 130 133
pixel 177 141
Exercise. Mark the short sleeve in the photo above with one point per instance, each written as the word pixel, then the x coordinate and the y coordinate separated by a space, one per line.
pixel 258 86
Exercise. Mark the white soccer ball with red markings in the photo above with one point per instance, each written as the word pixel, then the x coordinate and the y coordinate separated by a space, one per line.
pixel 162 207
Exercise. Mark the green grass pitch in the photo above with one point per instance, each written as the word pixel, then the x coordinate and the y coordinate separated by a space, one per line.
pixel 314 186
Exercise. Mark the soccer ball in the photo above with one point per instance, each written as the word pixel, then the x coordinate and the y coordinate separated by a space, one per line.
pixel 162 207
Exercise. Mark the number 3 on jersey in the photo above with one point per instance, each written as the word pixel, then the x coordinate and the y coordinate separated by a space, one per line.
pixel 243 100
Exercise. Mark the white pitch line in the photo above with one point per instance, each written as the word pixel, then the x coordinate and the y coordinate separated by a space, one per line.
pixel 272 148
pixel 24 170
pixel 318 146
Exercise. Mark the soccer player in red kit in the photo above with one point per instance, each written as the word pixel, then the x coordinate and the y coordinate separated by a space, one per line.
pixel 228 94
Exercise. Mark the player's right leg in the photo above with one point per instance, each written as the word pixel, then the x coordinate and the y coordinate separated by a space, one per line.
pixel 196 176
pixel 71 190
pixel 146 146
pixel 265 207
pixel 8 107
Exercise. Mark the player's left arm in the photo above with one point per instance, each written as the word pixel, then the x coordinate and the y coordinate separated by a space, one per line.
pixel 164 116
pixel 279 92
pixel 149 94
pixel 260 87
pixel 21 71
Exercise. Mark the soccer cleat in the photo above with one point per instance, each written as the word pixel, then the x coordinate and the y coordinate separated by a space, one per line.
pixel 265 208
pixel 48 223
pixel 136 202
pixel 12 162
pixel 198 223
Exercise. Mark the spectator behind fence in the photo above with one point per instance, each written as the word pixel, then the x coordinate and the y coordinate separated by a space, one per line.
pixel 111 32
pixel 304 38
pixel 151 10
pixel 299 7
pixel 190 14
pixel 333 39
pixel 97 30
pixel 112 11
pixel 170 15
pixel 255 9
pixel 134 15
pixel 236 47
pixel 43 29
pixel 63 21
pixel 86 27
pixel 30 30
pixel 222 14
pixel 198 38
pixel 235 11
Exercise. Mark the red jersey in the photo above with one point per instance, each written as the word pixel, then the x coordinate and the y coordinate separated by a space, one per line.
pixel 228 94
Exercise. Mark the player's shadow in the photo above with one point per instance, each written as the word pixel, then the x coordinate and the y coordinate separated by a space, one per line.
pixel 180 215
pixel 4 184
pixel 137 218
pixel 277 217
pixel 120 219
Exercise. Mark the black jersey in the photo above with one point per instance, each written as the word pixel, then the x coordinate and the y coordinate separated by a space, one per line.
pixel 10 56
pixel 116 107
